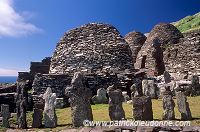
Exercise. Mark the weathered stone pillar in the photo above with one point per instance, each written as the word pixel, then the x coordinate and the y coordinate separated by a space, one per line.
pixel 136 88
pixel 79 98
pixel 37 118
pixel 195 86
pixel 5 115
pixel 125 96
pixel 167 77
pixel 142 108
pixel 21 103
pixel 168 105
pixel 183 106
pixel 116 111
pixel 149 88
pixel 100 98
pixel 50 118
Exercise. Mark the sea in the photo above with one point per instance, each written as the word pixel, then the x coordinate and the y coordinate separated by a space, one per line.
pixel 8 79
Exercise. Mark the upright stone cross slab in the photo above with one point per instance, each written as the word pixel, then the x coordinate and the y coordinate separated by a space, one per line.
pixel 183 106
pixel 168 105
pixel 142 108
pixel 5 115
pixel 100 98
pixel 79 98
pixel 21 103
pixel 116 111
pixel 50 118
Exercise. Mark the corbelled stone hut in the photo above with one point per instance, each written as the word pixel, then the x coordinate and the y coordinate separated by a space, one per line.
pixel 92 48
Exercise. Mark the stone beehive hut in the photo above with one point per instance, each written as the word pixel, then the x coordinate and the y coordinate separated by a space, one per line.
pixel 135 41
pixel 151 53
pixel 92 48
pixel 185 55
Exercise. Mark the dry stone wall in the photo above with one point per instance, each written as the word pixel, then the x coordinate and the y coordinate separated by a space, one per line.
pixel 135 41
pixel 184 56
pixel 57 83
pixel 92 48
pixel 40 67
pixel 161 35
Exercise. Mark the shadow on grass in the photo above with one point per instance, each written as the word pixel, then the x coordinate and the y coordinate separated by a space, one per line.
pixel 65 125
pixel 195 118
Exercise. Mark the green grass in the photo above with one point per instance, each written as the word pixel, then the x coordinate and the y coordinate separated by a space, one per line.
pixel 189 23
pixel 100 113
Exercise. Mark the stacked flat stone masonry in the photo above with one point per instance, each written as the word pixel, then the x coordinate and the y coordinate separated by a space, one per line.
pixel 151 54
pixel 92 48
pixel 185 55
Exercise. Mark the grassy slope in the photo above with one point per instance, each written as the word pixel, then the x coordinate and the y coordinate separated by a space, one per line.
pixel 100 112
pixel 188 23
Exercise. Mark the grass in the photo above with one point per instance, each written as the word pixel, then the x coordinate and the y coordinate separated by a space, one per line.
pixel 188 23
pixel 100 113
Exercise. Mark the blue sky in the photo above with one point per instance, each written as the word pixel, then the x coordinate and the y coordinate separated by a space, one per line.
pixel 30 29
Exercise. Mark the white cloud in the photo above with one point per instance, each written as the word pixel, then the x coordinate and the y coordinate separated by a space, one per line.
pixel 8 72
pixel 12 23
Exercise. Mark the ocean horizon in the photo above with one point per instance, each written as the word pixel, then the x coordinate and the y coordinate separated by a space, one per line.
pixel 8 79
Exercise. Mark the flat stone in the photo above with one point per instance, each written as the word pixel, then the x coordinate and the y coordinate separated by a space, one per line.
pixel 73 130
pixel 145 129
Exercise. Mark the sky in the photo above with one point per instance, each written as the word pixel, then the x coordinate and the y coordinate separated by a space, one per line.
pixel 30 29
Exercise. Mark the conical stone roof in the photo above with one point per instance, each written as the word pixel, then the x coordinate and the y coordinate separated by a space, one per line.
pixel 92 48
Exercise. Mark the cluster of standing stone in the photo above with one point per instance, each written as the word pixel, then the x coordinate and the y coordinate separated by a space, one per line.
pixel 79 98
pixel 50 119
